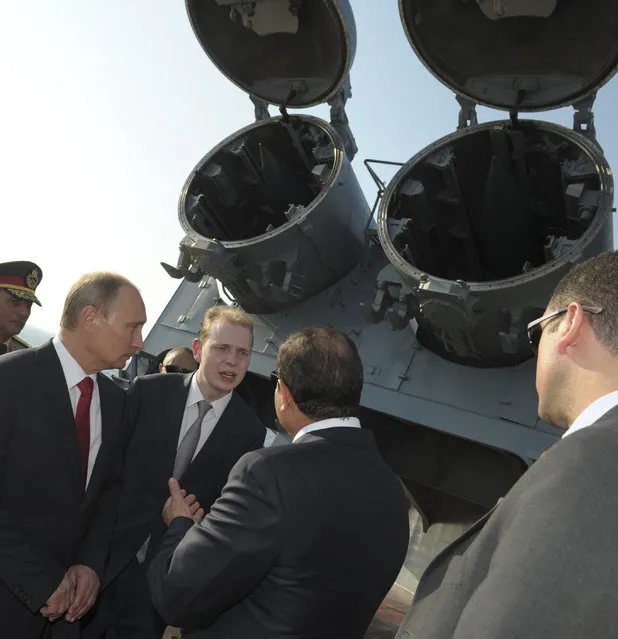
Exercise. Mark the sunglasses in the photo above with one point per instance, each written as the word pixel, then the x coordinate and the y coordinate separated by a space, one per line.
pixel 274 377
pixel 535 328
pixel 176 369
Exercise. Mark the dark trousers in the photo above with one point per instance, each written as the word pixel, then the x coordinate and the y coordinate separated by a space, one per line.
pixel 124 609
pixel 19 622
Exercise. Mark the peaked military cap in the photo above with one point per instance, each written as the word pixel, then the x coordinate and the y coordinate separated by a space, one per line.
pixel 20 279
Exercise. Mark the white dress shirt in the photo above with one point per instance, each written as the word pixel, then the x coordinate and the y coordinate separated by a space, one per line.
pixel 335 422
pixel 191 413
pixel 73 374
pixel 594 412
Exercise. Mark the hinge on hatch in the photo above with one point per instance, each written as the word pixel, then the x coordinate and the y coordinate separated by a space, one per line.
pixel 467 113
pixel 338 116
pixel 583 118
pixel 339 119
pixel 261 108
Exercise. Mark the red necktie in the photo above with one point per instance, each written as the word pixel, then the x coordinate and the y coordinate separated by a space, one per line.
pixel 82 421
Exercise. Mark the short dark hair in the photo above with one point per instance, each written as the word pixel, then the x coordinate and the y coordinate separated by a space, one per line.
pixel 594 282
pixel 323 371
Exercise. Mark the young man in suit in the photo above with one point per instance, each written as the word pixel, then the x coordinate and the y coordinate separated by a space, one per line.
pixel 306 539
pixel 543 563
pixel 18 283
pixel 192 427
pixel 61 435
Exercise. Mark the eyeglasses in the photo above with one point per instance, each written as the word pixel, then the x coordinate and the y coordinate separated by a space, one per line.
pixel 170 368
pixel 274 377
pixel 535 328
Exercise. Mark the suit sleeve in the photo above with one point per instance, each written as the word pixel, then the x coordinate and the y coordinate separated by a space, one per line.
pixel 94 549
pixel 201 570
pixel 26 570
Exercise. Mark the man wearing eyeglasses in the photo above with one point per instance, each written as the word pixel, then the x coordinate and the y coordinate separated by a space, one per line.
pixel 193 427
pixel 306 539
pixel 543 562
pixel 178 360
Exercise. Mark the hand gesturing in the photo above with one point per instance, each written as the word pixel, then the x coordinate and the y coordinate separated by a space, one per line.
pixel 179 504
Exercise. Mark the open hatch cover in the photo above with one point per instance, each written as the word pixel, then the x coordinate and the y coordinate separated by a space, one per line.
pixel 527 55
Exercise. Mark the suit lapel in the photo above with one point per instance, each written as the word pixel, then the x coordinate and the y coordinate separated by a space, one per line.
pixel 57 398
pixel 172 415
pixel 446 552
pixel 209 453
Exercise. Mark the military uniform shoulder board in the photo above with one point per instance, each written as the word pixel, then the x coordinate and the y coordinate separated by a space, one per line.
pixel 17 343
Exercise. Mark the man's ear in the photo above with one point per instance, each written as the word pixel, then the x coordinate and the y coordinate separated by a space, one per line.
pixel 285 397
pixel 570 327
pixel 196 346
pixel 89 317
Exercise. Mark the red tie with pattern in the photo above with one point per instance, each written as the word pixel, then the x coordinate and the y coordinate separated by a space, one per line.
pixel 82 420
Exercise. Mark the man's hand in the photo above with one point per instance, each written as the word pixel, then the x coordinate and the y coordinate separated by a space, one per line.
pixel 179 504
pixel 86 590
pixel 61 599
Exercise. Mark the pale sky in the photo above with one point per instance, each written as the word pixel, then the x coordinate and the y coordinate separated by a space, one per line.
pixel 107 105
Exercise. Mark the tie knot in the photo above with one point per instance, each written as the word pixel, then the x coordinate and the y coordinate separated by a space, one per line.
pixel 86 386
pixel 203 407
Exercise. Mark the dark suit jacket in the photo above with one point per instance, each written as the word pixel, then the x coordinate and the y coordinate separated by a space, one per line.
pixel 156 405
pixel 304 543
pixel 543 563
pixel 47 523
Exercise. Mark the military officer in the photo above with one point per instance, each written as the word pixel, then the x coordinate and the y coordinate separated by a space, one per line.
pixel 18 282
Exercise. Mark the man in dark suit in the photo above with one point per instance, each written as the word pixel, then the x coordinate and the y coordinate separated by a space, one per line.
pixel 543 563
pixel 306 539
pixel 165 411
pixel 60 448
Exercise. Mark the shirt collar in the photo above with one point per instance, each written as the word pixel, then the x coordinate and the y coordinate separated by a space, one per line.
pixel 73 372
pixel 594 412
pixel 195 396
pixel 334 422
